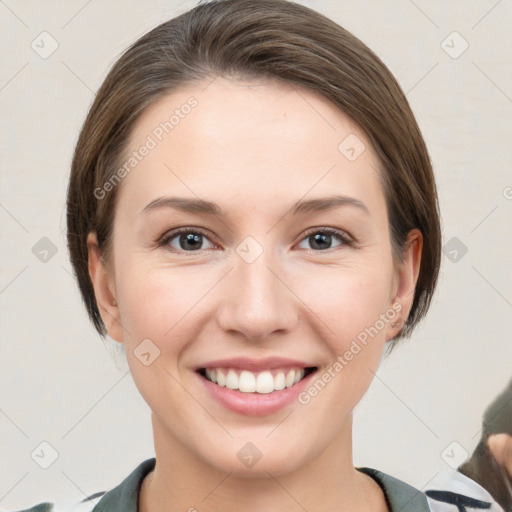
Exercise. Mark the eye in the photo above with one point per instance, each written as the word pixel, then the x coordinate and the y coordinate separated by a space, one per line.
pixel 321 238
pixel 188 240
pixel 185 240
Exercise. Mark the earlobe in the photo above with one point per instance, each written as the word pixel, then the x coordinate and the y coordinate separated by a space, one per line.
pixel 407 272
pixel 104 290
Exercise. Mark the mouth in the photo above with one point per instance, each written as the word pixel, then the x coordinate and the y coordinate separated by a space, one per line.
pixel 245 381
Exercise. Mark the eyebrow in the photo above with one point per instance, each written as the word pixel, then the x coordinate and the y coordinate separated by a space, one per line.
pixel 208 208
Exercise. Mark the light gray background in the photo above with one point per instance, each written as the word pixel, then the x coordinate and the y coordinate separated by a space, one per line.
pixel 58 384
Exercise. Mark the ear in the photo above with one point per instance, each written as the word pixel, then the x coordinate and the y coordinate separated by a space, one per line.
pixel 406 277
pixel 104 289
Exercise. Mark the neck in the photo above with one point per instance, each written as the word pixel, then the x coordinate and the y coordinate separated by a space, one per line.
pixel 484 470
pixel 328 482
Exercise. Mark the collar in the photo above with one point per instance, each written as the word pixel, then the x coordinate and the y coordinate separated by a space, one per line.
pixel 400 496
pixel 124 498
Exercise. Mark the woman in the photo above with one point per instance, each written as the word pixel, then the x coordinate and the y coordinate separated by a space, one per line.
pixel 224 148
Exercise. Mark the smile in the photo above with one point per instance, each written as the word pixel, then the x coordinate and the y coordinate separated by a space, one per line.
pixel 246 381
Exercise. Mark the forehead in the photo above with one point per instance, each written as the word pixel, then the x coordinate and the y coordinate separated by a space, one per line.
pixel 248 140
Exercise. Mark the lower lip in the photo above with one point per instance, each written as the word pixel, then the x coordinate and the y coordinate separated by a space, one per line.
pixel 255 404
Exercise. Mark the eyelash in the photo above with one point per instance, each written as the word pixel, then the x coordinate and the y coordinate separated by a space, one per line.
pixel 341 235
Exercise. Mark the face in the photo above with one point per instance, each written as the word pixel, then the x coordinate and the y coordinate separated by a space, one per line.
pixel 264 278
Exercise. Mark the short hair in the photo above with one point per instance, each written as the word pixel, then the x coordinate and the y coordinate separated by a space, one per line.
pixel 262 39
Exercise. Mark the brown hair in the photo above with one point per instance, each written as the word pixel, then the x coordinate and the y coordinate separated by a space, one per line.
pixel 273 39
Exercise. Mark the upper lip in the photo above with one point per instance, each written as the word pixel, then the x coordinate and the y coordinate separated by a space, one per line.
pixel 255 365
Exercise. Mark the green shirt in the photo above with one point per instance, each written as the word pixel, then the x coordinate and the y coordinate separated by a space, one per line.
pixel 400 497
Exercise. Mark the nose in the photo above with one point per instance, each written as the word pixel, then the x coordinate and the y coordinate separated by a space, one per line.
pixel 257 301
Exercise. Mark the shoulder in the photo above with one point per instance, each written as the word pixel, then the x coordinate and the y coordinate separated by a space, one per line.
pixel 40 507
pixel 122 498
pixel 85 505
pixel 399 495
pixel 125 496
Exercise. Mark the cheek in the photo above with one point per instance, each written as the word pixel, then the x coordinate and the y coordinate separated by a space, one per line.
pixel 348 300
pixel 156 301
pixel 158 315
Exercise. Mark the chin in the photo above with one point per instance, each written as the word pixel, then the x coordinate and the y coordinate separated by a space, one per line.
pixel 246 461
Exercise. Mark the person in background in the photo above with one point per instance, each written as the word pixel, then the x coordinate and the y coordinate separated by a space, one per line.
pixel 484 481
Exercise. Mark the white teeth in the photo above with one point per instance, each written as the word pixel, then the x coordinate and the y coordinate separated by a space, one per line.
pixel 232 380
pixel 279 381
pixel 221 378
pixel 264 382
pixel 249 382
pixel 211 375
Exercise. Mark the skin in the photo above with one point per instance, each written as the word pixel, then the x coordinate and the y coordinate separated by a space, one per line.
pixel 254 148
pixel 501 449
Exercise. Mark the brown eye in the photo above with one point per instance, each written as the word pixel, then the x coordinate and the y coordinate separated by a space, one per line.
pixel 322 239
pixel 185 240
